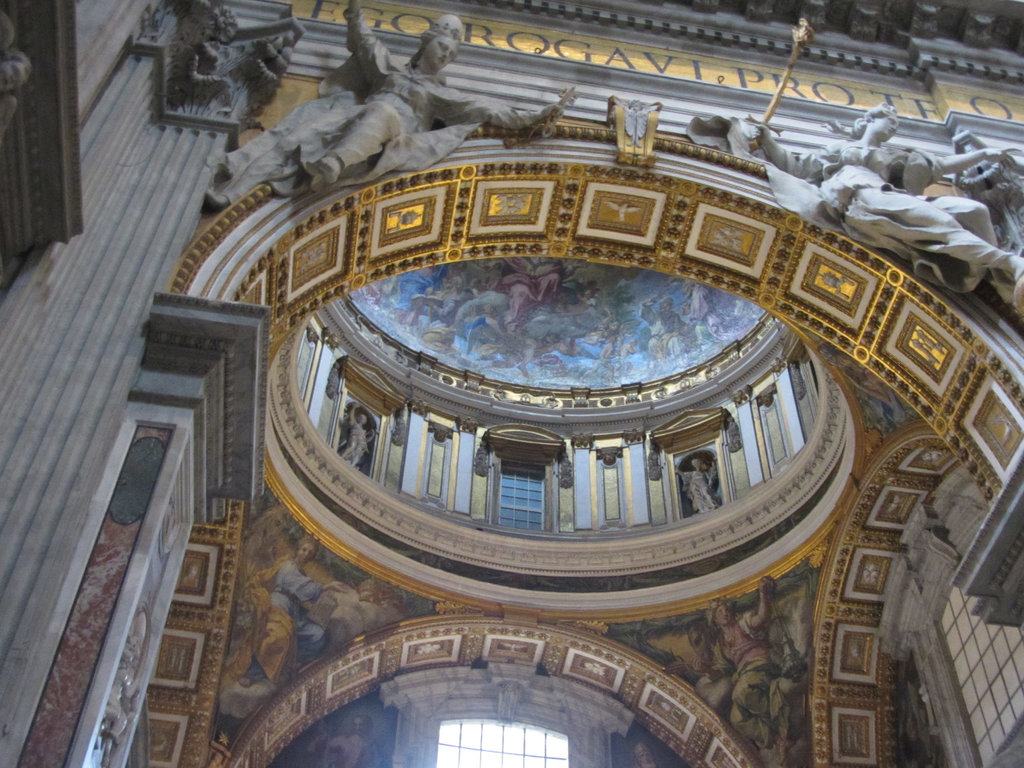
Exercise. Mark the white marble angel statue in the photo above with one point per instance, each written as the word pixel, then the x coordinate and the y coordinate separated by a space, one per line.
pixel 373 116
pixel 874 193
pixel 698 479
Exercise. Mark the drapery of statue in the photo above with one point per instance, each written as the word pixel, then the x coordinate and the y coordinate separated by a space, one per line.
pixel 874 193
pixel 373 116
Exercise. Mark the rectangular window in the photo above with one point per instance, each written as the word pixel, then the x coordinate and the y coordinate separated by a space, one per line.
pixel 484 744
pixel 521 497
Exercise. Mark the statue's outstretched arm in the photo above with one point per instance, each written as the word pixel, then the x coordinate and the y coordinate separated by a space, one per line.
pixel 957 163
pixel 469 109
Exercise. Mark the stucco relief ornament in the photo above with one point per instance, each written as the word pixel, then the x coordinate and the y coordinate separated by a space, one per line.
pixel 15 69
pixel 214 67
pixel 126 695
pixel 373 116
pixel 874 193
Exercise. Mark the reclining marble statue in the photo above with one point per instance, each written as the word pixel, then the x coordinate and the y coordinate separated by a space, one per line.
pixel 874 193
pixel 373 116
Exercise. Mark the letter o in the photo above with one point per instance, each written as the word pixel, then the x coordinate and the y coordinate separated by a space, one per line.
pixel 544 44
pixel 817 88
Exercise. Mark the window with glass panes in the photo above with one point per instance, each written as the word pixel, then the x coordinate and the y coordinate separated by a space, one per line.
pixel 521 497
pixel 487 744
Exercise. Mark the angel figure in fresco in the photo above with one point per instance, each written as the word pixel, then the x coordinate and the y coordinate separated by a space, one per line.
pixel 698 479
pixel 373 116
pixel 874 193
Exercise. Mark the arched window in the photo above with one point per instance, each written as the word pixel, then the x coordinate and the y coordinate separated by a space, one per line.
pixel 491 744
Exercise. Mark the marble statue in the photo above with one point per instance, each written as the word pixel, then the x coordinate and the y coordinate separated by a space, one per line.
pixel 14 71
pixel 874 193
pixel 373 116
pixel 698 478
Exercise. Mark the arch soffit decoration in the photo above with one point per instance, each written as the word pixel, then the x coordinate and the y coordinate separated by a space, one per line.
pixel 819 282
pixel 664 704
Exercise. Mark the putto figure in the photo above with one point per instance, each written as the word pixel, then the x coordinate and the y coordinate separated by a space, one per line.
pixel 373 116
pixel 875 194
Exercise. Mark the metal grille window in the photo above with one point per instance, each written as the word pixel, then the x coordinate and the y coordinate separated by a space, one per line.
pixel 521 498
pixel 485 744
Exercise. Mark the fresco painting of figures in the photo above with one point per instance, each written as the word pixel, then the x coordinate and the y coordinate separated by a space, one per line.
pixel 295 601
pixel 883 409
pixel 557 322
pixel 359 735
pixel 748 658
pixel 639 749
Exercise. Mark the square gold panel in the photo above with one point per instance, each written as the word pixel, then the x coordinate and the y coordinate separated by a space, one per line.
pixel 853 736
pixel 919 343
pixel 893 508
pixel 730 240
pixel 316 257
pixel 926 346
pixel 662 707
pixel 177 664
pixel 356 672
pixel 856 654
pixel 836 288
pixel 869 571
pixel 718 756
pixel 406 220
pixel 622 214
pixel 507 207
pixel 166 738
pixel 583 666
pixel 510 648
pixel 932 460
pixel 994 422
pixel 198 575
pixel 998 427
pixel 433 651
pixel 413 220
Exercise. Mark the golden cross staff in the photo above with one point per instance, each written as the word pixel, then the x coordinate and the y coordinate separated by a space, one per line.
pixel 802 34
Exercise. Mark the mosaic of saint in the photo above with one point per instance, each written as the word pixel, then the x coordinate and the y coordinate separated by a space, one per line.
pixel 557 322
pixel 748 658
pixel 296 602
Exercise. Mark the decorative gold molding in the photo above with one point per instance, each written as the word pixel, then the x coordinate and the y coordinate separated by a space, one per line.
pixel 882 316
pixel 681 719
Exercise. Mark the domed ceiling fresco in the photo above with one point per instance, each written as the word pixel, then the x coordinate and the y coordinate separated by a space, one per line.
pixel 557 322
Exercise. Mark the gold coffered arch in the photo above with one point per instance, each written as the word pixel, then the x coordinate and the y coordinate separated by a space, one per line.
pixel 954 372
pixel 819 282
pixel 667 706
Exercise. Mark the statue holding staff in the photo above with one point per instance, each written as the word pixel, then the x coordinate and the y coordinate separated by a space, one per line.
pixel 373 116
pixel 874 193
